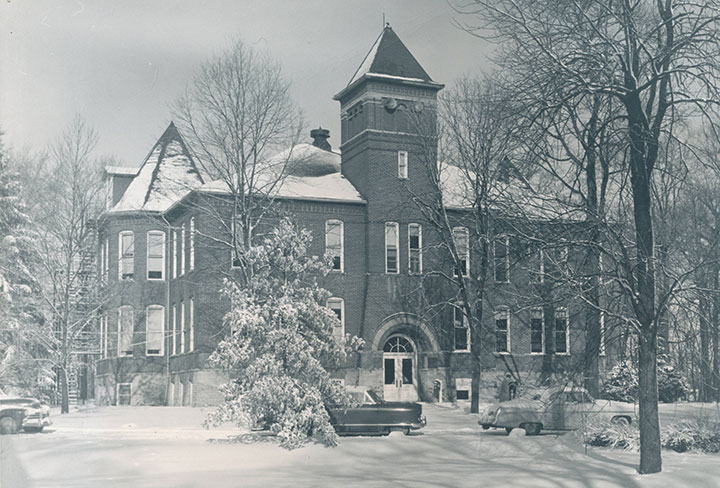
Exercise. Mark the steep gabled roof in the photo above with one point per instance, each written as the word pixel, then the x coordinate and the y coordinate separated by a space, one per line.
pixel 166 176
pixel 389 57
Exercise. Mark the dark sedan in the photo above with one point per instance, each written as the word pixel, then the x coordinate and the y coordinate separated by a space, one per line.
pixel 370 415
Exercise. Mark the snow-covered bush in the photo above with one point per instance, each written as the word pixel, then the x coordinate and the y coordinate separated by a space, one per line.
pixel 608 434
pixel 280 346
pixel 621 383
pixel 672 386
pixel 695 434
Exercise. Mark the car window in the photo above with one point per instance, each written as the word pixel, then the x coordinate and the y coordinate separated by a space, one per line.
pixel 373 396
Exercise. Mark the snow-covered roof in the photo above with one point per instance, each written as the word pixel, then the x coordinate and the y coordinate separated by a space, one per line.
pixel 310 173
pixel 165 177
pixel 121 170
pixel 389 56
pixel 512 197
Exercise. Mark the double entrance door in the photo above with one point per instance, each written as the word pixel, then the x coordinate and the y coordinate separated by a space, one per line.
pixel 399 374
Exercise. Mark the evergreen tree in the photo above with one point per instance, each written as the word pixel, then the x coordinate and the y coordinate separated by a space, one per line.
pixel 281 345
pixel 23 369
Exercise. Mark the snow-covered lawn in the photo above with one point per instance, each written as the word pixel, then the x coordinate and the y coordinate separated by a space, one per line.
pixel 167 447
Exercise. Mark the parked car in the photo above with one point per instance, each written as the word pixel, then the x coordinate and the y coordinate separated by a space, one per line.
pixel 37 415
pixel 11 419
pixel 558 408
pixel 371 415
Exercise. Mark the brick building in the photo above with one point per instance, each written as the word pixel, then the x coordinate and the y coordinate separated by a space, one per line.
pixel 165 248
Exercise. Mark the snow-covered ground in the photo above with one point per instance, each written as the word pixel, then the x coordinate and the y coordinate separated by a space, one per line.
pixel 167 447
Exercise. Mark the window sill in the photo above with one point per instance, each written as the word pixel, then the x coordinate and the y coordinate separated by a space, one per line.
pixel 462 351
pixel 156 279
pixel 537 353
pixel 562 353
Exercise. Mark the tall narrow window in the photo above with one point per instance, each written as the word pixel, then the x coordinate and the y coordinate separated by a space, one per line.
pixel 337 305
pixel 461 238
pixel 154 330
pixel 192 243
pixel 182 327
pixel 461 329
pixel 174 329
pixel 415 248
pixel 155 255
pixel 536 331
pixel 334 243
pixel 126 253
pixel 562 335
pixel 391 247
pixel 539 268
pixel 402 165
pixel 174 253
pixel 126 327
pixel 182 250
pixel 502 259
pixel 191 328
pixel 502 330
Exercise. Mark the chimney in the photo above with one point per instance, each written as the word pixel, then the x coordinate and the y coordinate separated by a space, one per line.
pixel 320 138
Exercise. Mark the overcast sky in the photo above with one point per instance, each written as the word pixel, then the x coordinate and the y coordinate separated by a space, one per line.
pixel 121 64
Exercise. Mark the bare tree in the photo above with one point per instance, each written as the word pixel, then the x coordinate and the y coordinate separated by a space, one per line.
pixel 65 220
pixel 653 58
pixel 238 116
pixel 469 187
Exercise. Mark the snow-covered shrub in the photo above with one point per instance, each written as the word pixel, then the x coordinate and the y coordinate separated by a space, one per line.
pixel 697 434
pixel 621 383
pixel 281 344
pixel 608 434
pixel 672 386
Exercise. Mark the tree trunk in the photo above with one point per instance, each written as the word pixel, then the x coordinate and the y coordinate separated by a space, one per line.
pixel 705 361
pixel 64 389
pixel 650 459
pixel 715 325
pixel 592 325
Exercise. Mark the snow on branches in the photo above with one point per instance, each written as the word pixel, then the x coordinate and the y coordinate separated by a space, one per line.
pixel 281 345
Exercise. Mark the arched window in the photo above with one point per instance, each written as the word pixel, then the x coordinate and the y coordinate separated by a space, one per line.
pixel 398 344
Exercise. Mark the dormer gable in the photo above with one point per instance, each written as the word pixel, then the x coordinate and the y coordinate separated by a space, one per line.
pixel 168 174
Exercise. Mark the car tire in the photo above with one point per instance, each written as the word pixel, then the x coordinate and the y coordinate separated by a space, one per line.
pixel 532 428
pixel 8 425
pixel 33 430
pixel 621 420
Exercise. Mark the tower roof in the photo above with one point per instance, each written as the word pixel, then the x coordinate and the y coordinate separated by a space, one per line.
pixel 389 56
pixel 166 176
pixel 389 59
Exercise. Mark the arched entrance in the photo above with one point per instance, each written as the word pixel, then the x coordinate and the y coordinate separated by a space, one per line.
pixel 399 364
